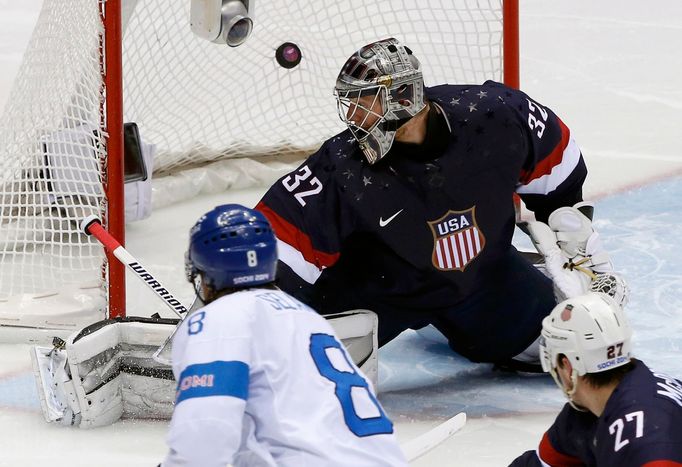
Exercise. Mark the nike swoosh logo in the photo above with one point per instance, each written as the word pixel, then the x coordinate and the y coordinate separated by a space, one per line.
pixel 384 223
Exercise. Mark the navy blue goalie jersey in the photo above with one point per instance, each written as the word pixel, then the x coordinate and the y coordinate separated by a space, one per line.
pixel 421 231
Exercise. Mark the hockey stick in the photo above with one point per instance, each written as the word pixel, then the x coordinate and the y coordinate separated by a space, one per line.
pixel 424 443
pixel 91 225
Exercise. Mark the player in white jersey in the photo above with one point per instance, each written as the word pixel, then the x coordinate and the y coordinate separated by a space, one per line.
pixel 262 378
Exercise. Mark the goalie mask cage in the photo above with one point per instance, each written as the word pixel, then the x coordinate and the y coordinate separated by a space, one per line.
pixel 91 65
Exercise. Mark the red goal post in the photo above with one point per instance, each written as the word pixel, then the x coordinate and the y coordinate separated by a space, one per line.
pixel 90 66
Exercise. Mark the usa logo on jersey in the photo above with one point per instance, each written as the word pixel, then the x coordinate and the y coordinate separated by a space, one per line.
pixel 457 240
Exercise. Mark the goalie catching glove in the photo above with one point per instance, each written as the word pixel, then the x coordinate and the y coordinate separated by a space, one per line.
pixel 575 258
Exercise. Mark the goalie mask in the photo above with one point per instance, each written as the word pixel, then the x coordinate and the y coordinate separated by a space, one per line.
pixel 231 246
pixel 379 89
pixel 592 331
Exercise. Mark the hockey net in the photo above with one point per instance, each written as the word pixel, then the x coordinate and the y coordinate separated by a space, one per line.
pixel 232 111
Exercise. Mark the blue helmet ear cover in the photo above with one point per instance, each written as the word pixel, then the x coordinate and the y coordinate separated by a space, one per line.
pixel 232 246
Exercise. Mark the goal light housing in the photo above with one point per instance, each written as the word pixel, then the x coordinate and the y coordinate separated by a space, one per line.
pixel 222 21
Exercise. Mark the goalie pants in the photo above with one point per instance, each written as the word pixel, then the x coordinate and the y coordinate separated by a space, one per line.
pixel 499 321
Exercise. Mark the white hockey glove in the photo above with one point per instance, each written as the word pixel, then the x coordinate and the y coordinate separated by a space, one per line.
pixel 575 258
pixel 578 240
pixel 104 372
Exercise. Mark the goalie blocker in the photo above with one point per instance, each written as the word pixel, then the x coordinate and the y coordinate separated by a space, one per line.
pixel 107 371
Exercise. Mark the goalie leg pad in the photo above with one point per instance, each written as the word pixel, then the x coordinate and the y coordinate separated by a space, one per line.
pixel 357 330
pixel 58 400
pixel 108 372
pixel 62 393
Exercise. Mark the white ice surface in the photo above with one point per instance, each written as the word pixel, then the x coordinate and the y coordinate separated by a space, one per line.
pixel 611 70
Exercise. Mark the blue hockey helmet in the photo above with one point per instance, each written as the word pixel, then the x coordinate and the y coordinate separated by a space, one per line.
pixel 231 246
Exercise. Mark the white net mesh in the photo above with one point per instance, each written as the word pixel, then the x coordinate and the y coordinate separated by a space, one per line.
pixel 200 101
pixel 196 101
pixel 50 153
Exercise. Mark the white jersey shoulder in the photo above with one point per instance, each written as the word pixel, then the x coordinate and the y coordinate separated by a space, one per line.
pixel 253 354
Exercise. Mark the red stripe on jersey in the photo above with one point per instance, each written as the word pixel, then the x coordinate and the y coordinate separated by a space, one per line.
pixel 290 235
pixel 551 456
pixel 554 158
pixel 662 464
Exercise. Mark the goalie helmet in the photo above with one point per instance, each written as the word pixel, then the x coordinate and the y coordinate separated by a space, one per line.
pixel 379 88
pixel 231 246
pixel 591 330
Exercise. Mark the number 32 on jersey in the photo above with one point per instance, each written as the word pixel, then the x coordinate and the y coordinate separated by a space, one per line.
pixel 302 185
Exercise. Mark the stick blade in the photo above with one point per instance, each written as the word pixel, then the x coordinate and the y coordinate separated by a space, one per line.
pixel 424 443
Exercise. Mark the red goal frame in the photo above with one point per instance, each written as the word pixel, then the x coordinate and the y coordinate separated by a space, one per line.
pixel 113 122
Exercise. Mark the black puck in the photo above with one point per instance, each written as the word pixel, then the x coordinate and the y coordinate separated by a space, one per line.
pixel 288 55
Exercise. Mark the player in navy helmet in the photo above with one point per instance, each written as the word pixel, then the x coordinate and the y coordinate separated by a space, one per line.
pixel 410 211
pixel 620 413
pixel 230 247
pixel 261 378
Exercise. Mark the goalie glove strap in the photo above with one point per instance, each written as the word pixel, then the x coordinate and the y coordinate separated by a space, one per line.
pixel 571 266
